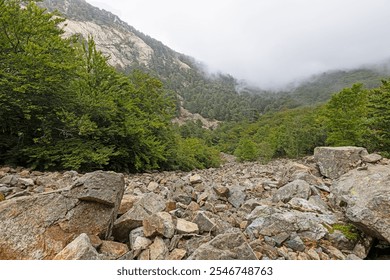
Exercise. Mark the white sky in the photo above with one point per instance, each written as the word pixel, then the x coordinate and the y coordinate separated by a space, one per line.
pixel 267 42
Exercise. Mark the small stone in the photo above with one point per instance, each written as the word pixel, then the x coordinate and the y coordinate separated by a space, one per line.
pixel 193 206
pixel 204 223
pixel 195 179
pixel 158 250
pixel 170 206
pixel 313 254
pixel 145 255
pixel 243 225
pixel 352 257
pixel 183 198
pixel 24 174
pixel 186 227
pixel 220 207
pixel 323 256
pixel 127 203
pixel 152 186
pixel 134 234
pixel 177 254
pixel 221 191
pixel 5 190
pixel 335 253
pixel 371 158
pixel 95 241
pixel 10 180
pixel 296 244
pixel 141 243
pixel 302 256
pixel 113 250
pixel 202 197
pixel 280 238
pixel 237 197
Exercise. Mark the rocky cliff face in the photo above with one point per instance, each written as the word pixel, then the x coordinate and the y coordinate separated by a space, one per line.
pixel 126 47
pixel 283 210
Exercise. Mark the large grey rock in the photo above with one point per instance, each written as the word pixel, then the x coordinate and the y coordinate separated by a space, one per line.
pixel 79 249
pixel 365 197
pixel 230 246
pixel 95 187
pixel 272 221
pixel 297 188
pixel 152 203
pixel 40 226
pixel 159 224
pixel 336 161
pixel 127 222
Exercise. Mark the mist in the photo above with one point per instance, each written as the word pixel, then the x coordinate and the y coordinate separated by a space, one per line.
pixel 269 43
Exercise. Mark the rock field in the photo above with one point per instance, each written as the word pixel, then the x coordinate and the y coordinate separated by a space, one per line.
pixel 333 205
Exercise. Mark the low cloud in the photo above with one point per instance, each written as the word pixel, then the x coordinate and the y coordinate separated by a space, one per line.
pixel 271 42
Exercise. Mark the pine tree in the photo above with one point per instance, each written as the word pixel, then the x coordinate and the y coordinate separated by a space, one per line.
pixel 379 118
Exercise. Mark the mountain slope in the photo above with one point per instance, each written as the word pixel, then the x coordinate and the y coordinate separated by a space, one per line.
pixel 217 96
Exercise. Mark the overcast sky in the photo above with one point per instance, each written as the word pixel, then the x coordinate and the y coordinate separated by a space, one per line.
pixel 267 42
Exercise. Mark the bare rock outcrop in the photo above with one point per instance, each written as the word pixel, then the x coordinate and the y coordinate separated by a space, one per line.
pixel 39 226
pixel 364 195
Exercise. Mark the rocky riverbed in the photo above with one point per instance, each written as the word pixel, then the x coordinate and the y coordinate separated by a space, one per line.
pixel 333 205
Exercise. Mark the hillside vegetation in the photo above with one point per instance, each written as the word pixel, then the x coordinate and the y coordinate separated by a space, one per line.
pixel 216 96
pixel 62 106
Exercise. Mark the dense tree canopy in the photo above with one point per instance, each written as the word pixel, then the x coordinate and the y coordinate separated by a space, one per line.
pixel 62 106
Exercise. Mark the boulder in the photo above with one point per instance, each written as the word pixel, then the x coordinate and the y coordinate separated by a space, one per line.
pixel 336 161
pixel 127 203
pixel 79 249
pixel 127 222
pixel 159 224
pixel 297 188
pixel 113 250
pixel 152 203
pixel 272 221
pixel 40 226
pixel 230 246
pixel 365 198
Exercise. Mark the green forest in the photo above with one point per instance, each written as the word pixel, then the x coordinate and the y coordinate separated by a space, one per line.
pixel 63 107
